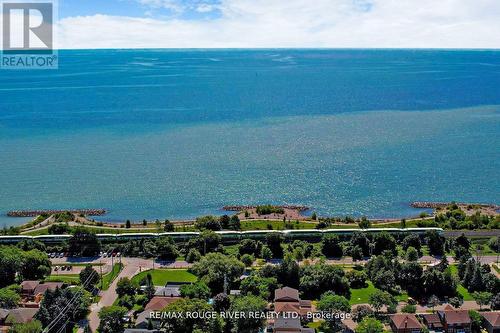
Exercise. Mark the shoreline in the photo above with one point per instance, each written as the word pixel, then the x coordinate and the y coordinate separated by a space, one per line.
pixel 292 213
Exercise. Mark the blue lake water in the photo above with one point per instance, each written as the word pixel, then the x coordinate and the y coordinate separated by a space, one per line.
pixel 176 134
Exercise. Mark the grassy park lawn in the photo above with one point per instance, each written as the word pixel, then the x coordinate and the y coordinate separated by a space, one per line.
pixel 275 225
pixel 162 276
pixel 66 278
pixel 362 295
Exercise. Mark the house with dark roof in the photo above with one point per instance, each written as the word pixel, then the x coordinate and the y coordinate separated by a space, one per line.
pixel 284 324
pixel 455 321
pixel 287 300
pixel 3 315
pixel 34 290
pixel 405 323
pixel 491 321
pixel 28 288
pixel 433 322
pixel 158 303
pixel 20 316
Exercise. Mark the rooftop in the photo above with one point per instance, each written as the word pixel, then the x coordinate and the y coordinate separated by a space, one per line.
pixel 405 320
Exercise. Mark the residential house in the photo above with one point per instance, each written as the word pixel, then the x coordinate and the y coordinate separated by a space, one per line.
pixel 405 323
pixel 284 324
pixel 28 288
pixel 455 321
pixel 168 291
pixel 287 300
pixel 3 315
pixel 491 321
pixel 20 316
pixel 433 322
pixel 158 303
pixel 34 290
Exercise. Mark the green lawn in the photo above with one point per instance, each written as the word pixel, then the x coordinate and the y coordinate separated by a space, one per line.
pixel 361 296
pixel 162 276
pixel 276 225
pixel 108 278
pixel 66 278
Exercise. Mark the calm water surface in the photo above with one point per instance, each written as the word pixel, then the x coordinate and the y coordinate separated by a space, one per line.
pixel 175 134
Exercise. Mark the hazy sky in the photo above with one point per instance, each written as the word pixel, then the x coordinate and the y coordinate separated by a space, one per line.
pixel 279 23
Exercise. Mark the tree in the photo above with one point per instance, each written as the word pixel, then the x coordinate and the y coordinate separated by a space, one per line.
pixel 9 297
pixel 10 264
pixel 208 222
pixel 89 277
pixel 195 290
pixel 111 319
pixel 247 304
pixel 360 239
pixel 221 302
pixel 370 325
pixel 166 249
pixel 314 216
pixel 411 254
pixel 361 311
pixel 435 242
pixel 266 253
pixel 380 298
pixel 125 287
pixel 315 279
pixel 289 272
pixel 215 268
pixel 384 242
pixel 84 243
pixel 482 298
pixel 183 324
pixel 456 302
pixel 259 286
pixel 31 244
pixel 33 326
pixel 247 259
pixel 127 224
pixel 150 290
pixel 193 255
pixel 409 308
pixel 357 279
pixel 329 302
pixel 476 320
pixel 168 226
pixel 273 241
pixel 234 223
pixel 144 222
pixel 410 278
pixel 433 301
pixel 53 303
pixel 250 246
pixel 330 246
pixel 35 265
pixel 207 241
pixel 224 221
pixel 364 223
pixel 412 240
pixel 495 302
